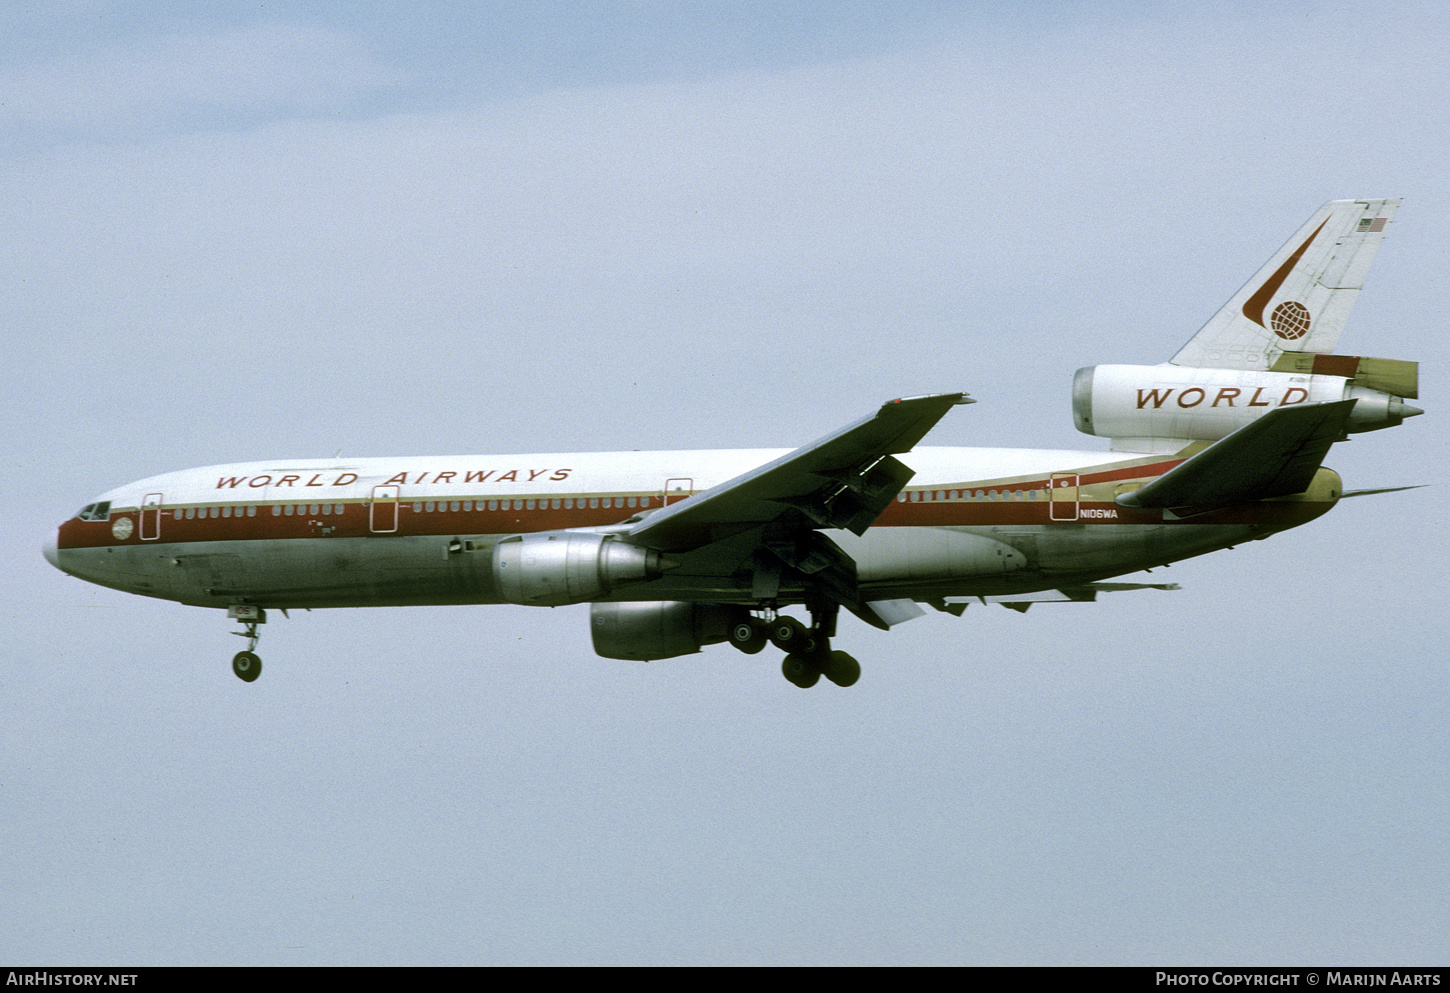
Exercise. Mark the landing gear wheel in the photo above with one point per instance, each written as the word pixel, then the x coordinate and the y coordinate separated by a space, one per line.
pixel 800 672
pixel 842 669
pixel 789 634
pixel 748 636
pixel 247 666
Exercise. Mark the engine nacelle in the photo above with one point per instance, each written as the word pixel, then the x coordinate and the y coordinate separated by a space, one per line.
pixel 659 629
pixel 1145 408
pixel 553 568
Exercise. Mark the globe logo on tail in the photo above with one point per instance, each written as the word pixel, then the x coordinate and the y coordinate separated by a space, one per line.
pixel 1290 320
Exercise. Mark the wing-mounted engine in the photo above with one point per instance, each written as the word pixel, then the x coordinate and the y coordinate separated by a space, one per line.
pixel 643 631
pixel 552 568
pixel 1161 408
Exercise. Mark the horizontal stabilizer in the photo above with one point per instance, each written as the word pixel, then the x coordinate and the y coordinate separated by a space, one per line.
pixel 1385 489
pixel 1277 455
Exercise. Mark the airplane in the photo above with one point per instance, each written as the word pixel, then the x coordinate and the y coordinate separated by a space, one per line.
pixel 674 551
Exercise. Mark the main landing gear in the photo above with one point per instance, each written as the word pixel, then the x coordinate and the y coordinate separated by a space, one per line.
pixel 808 649
pixel 247 665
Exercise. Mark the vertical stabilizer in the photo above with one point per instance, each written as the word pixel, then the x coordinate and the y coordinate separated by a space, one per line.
pixel 1300 299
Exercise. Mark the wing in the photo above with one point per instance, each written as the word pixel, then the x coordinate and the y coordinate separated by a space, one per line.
pixel 1277 455
pixel 844 480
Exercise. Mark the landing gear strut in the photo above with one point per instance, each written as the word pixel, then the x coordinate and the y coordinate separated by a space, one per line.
pixel 247 665
pixel 805 670
pixel 808 649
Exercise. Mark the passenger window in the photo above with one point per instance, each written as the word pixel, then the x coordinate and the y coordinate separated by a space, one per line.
pixel 276 510
pixel 454 505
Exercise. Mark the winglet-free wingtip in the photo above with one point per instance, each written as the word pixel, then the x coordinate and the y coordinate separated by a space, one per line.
pixel 956 399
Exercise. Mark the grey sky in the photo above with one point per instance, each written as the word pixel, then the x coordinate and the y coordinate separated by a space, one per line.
pixel 282 231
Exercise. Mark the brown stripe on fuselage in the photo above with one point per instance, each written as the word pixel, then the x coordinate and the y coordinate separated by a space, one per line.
pixel 1013 507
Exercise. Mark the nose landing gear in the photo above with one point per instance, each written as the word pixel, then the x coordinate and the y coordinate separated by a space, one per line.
pixel 247 665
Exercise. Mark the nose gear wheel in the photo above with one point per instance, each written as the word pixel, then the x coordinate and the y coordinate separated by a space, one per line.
pixel 247 666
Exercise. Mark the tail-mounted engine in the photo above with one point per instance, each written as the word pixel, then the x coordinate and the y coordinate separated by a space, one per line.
pixel 1152 408
pixel 553 568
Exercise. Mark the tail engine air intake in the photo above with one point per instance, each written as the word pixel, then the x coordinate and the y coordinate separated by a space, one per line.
pixel 1142 408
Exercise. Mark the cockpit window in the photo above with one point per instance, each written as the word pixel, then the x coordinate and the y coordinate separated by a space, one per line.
pixel 96 511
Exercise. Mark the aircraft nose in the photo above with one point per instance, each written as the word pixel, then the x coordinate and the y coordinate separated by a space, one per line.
pixel 52 552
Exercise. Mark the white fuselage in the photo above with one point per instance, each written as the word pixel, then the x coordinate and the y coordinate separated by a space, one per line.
pixel 422 530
